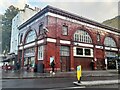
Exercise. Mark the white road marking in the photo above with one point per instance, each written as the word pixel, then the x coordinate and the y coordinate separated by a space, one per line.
pixel 67 88
pixel 74 87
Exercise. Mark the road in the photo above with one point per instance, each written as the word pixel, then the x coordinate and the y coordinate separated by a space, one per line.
pixel 38 83
pixel 48 84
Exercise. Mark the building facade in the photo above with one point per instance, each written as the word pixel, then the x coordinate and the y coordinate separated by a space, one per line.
pixel 22 16
pixel 67 38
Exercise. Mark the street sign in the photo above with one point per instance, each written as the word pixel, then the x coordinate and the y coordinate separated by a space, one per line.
pixel 79 71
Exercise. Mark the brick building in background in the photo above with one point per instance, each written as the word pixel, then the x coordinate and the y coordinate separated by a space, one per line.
pixel 69 39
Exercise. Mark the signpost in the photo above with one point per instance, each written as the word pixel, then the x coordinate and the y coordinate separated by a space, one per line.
pixel 79 71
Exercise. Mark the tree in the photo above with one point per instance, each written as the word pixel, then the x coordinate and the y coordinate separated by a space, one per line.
pixel 9 14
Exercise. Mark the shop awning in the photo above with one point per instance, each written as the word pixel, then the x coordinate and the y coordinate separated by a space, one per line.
pixel 8 58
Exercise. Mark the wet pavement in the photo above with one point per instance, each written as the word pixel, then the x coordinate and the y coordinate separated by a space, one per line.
pixel 103 74
pixel 58 81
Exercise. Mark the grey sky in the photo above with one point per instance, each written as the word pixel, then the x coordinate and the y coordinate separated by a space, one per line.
pixel 98 11
pixel 92 9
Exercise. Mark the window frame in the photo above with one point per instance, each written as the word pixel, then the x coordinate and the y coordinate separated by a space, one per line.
pixel 109 42
pixel 82 36
pixel 98 37
pixel 41 29
pixel 77 51
pixel 86 53
pixel 83 55
pixel 64 51
pixel 64 27
pixel 31 36
pixel 40 52
pixel 21 36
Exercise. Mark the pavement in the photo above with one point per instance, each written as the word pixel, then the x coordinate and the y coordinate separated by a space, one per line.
pixel 96 77
pixel 25 74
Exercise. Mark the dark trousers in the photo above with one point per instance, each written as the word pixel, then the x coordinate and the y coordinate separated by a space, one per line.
pixel 52 69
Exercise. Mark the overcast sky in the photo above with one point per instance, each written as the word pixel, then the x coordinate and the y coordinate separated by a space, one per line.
pixel 97 10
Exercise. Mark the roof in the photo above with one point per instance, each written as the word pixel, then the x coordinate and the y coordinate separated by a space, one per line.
pixel 66 14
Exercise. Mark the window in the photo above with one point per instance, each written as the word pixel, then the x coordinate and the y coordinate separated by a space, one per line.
pixel 40 52
pixel 21 38
pixel 41 29
pixel 98 37
pixel 83 52
pixel 87 52
pixel 110 54
pixel 29 52
pixel 82 36
pixel 31 36
pixel 64 51
pixel 79 51
pixel 109 42
pixel 65 30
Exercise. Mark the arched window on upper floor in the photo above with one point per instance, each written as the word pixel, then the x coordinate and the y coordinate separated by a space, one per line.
pixel 31 36
pixel 109 41
pixel 21 36
pixel 82 36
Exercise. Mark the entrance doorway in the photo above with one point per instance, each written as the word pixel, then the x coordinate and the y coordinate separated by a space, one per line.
pixel 111 62
pixel 65 58
pixel 65 63
pixel 100 64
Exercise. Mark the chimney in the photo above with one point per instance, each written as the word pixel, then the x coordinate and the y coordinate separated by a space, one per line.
pixel 37 9
pixel 26 6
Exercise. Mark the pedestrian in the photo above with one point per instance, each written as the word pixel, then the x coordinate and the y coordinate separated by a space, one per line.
pixel 35 68
pixel 53 66
pixel 18 66
pixel 92 65
pixel 28 66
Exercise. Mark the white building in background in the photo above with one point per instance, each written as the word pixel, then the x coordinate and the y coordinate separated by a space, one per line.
pixel 21 17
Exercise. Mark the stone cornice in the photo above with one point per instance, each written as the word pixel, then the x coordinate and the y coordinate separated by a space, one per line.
pixel 66 14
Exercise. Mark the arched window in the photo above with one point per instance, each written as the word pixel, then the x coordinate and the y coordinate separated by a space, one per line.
pixel 82 36
pixel 31 36
pixel 109 42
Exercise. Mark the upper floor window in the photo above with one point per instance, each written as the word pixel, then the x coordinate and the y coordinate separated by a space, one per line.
pixel 31 36
pixel 20 38
pixel 64 30
pixel 41 29
pixel 82 36
pixel 98 37
pixel 109 42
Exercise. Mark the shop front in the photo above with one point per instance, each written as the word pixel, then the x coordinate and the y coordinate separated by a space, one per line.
pixel 29 59
pixel 111 59
pixel 83 56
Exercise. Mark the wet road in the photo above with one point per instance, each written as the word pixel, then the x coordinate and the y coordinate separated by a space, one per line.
pixel 38 83
pixel 48 84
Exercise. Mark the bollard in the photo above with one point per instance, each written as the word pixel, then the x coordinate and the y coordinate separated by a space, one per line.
pixel 79 71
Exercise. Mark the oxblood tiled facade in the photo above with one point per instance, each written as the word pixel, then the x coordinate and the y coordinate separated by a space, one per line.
pixel 53 40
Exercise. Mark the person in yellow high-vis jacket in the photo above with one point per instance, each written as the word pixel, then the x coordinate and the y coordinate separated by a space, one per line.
pixel 79 72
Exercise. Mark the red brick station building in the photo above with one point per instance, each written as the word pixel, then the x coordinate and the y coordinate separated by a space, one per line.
pixel 69 39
